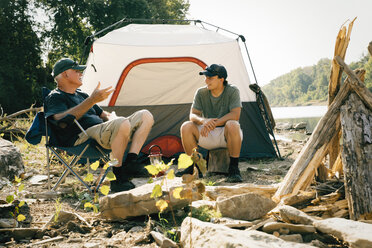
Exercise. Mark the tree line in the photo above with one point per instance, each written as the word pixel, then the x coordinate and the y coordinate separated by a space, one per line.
pixel 309 85
pixel 35 34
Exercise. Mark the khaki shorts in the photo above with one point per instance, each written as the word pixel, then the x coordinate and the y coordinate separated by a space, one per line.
pixel 104 133
pixel 215 139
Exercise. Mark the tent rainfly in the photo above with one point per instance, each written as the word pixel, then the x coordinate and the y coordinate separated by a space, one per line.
pixel 155 66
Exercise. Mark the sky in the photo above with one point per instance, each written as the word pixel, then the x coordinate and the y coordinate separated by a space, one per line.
pixel 282 35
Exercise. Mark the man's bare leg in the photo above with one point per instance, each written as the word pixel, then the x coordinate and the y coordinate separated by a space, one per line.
pixel 120 142
pixel 140 135
pixel 189 136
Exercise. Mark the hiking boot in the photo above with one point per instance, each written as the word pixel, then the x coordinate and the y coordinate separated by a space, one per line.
pixel 188 170
pixel 135 169
pixel 234 175
pixel 119 186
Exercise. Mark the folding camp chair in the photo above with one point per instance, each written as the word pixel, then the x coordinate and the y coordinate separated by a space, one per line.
pixel 88 151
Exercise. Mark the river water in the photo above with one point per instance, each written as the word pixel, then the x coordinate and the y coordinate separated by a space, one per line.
pixel 309 114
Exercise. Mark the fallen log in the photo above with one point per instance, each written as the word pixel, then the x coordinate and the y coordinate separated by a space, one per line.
pixel 356 121
pixel 11 116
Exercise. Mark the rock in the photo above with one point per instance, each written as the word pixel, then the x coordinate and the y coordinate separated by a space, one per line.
pixel 283 126
pixel 65 217
pixel 233 223
pixel 38 179
pixel 7 234
pixel 276 226
pixel 11 163
pixel 91 245
pixel 249 206
pixel 355 233
pixel 8 223
pixel 300 125
pixel 138 201
pixel 212 235
pixel 292 238
pixel 226 191
pixel 318 243
pixel 203 203
pixel 293 215
pixel 162 241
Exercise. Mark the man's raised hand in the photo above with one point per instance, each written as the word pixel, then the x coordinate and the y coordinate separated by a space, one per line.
pixel 99 95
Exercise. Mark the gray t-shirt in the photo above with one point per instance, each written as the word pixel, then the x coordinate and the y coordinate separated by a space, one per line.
pixel 216 107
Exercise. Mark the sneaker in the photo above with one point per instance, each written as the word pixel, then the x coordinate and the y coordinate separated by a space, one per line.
pixel 234 175
pixel 119 186
pixel 188 170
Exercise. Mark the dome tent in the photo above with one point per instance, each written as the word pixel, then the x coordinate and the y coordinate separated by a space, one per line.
pixel 155 66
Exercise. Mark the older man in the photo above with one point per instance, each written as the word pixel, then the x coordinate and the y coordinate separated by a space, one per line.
pixel 214 119
pixel 112 134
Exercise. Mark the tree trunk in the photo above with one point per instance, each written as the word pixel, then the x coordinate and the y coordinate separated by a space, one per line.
pixel 356 122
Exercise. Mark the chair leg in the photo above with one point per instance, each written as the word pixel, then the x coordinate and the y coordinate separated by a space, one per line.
pixel 48 166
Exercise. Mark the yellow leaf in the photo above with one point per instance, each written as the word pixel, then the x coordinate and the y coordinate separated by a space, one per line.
pixel 176 193
pixel 170 174
pixel 184 161
pixel 88 205
pixel 21 204
pixel 156 191
pixel 21 187
pixel 105 189
pixel 89 177
pixel 17 179
pixel 152 169
pixel 161 205
pixel 21 217
pixel 95 165
pixel 106 166
pixel 111 176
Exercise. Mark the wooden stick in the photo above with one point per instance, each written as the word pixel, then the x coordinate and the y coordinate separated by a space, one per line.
pixel 322 134
pixel 4 118
pixel 357 85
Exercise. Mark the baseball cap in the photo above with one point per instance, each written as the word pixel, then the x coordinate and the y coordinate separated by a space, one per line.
pixel 65 64
pixel 215 70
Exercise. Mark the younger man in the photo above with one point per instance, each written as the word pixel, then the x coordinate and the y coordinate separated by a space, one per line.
pixel 214 119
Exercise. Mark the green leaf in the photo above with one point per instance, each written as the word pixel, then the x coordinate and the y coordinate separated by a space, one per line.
pixel 17 179
pixel 105 189
pixel 111 176
pixel 95 209
pixel 21 187
pixel 95 165
pixel 21 204
pixel 161 205
pixel 184 161
pixel 170 174
pixel 152 169
pixel 21 217
pixel 151 180
pixel 156 191
pixel 9 198
pixel 89 177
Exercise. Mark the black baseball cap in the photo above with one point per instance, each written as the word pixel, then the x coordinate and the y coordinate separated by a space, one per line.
pixel 215 70
pixel 65 64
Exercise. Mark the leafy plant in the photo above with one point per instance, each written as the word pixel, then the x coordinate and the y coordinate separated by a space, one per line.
pixel 58 206
pixel 12 199
pixel 104 189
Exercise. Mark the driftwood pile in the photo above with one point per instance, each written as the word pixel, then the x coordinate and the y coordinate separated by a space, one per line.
pixel 345 135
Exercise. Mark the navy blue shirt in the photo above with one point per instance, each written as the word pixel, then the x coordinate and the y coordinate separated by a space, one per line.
pixel 58 102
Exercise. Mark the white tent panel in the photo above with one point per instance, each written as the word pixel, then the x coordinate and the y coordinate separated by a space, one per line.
pixel 107 61
pixel 152 86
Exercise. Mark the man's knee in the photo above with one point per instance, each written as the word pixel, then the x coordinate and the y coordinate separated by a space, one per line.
pixel 124 128
pixel 147 117
pixel 188 127
pixel 232 127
